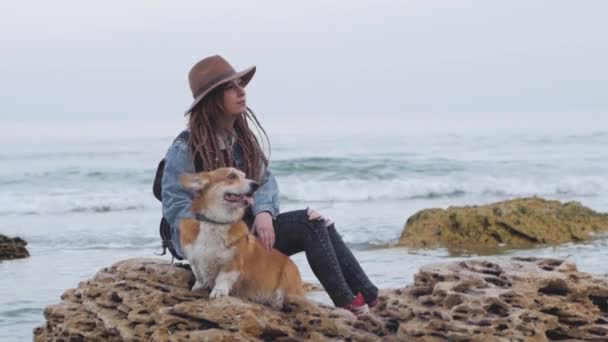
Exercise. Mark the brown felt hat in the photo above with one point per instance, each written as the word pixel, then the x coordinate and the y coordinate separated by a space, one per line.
pixel 210 73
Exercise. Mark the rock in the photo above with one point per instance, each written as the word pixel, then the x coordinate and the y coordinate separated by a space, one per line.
pixel 514 223
pixel 519 299
pixel 12 248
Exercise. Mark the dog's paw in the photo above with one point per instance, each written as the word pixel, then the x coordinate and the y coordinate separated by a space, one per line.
pixel 218 292
pixel 198 286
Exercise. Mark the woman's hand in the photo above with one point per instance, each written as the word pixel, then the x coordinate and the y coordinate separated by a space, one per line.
pixel 263 228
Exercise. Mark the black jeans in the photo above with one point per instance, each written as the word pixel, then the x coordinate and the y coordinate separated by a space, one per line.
pixel 329 258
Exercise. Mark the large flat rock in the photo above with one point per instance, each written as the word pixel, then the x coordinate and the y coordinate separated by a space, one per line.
pixel 474 300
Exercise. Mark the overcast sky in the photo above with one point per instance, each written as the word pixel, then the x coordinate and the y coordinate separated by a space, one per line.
pixel 125 59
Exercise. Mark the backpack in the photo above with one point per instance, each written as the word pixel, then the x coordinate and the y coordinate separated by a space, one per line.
pixel 165 227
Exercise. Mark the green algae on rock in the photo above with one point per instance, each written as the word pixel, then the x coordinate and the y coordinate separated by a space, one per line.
pixel 513 223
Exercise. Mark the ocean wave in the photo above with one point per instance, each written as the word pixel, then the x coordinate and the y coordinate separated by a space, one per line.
pixel 364 246
pixel 64 155
pixel 298 190
pixel 359 239
pixel 109 246
pixel 21 312
pixel 85 174
pixel 588 135
pixel 92 240
pixel 364 167
pixel 311 180
pixel 72 201
pixel 106 208
pixel 93 209
pixel 79 176
pixel 312 189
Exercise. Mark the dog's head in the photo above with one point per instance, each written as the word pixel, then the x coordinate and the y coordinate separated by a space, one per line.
pixel 221 194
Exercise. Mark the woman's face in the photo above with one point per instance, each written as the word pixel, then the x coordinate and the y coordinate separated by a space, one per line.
pixel 234 102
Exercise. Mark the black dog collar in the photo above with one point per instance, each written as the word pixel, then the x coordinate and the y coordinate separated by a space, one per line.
pixel 204 218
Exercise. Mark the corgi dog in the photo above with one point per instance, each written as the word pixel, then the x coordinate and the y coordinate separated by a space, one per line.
pixel 223 255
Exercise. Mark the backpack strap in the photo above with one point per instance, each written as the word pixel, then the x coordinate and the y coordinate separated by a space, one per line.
pixel 164 227
pixel 157 189
pixel 158 178
pixel 165 235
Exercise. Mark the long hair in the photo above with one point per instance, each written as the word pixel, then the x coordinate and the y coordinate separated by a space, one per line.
pixel 205 149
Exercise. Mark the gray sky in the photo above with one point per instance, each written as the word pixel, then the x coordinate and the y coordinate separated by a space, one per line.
pixel 123 59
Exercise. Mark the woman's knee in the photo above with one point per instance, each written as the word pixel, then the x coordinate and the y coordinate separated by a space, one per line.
pixel 315 216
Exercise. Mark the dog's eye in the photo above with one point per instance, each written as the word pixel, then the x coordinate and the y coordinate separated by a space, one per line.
pixel 232 176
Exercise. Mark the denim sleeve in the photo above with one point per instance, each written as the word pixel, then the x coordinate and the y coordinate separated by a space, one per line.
pixel 266 198
pixel 177 201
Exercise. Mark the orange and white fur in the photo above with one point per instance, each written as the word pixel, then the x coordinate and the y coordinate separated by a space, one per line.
pixel 223 255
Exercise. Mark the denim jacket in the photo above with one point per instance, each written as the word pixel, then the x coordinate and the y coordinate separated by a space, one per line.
pixel 177 201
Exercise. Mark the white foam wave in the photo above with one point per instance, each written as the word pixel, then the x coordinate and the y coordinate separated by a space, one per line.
pixel 62 201
pixel 296 189
pixel 119 238
pixel 299 188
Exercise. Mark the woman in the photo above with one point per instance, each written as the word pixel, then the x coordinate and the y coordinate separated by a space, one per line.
pixel 219 135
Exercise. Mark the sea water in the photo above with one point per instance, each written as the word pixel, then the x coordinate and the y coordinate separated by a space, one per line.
pixel 83 199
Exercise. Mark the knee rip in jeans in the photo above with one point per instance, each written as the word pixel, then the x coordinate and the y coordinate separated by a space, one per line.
pixel 313 215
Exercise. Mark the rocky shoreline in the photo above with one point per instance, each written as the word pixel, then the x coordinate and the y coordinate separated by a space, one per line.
pixel 12 248
pixel 517 299
pixel 485 299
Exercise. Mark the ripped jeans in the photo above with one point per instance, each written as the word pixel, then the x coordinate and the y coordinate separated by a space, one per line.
pixel 329 258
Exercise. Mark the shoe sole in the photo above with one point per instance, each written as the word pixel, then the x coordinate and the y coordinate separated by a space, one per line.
pixel 361 310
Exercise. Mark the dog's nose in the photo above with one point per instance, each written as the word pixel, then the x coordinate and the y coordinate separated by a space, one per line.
pixel 254 186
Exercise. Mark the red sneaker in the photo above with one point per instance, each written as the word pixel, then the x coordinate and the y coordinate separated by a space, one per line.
pixel 357 306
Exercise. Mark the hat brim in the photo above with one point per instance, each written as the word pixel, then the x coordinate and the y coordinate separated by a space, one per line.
pixel 245 75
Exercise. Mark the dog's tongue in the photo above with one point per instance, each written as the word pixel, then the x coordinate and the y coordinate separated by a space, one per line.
pixel 248 200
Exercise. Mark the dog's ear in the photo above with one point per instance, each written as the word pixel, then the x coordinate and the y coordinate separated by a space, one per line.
pixel 194 181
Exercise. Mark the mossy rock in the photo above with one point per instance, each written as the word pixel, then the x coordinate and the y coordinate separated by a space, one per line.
pixel 12 248
pixel 514 223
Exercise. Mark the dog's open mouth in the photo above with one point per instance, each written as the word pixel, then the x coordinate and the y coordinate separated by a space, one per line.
pixel 235 198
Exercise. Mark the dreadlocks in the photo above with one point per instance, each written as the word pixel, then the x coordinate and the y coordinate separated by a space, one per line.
pixel 205 149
